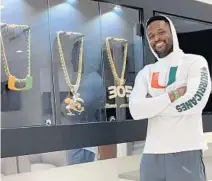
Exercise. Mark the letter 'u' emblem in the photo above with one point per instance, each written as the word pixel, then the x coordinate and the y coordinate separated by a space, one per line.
pixel 155 79
pixel 11 83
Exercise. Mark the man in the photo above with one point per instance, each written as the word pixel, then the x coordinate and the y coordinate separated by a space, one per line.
pixel 171 93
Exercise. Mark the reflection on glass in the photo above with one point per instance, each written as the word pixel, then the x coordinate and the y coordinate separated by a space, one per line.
pixel 79 40
pixel 76 46
pixel 25 67
pixel 77 58
pixel 122 54
pixel 122 57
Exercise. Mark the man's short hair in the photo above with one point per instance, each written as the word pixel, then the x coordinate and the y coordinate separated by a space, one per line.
pixel 157 18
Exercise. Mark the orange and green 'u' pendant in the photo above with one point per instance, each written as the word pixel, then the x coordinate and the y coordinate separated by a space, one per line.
pixel 12 86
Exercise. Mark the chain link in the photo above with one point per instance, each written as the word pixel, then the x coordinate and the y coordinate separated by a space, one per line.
pixel 121 80
pixel 26 30
pixel 73 88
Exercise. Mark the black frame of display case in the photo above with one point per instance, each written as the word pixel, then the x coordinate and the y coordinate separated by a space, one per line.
pixel 26 141
pixel 181 17
pixel 42 139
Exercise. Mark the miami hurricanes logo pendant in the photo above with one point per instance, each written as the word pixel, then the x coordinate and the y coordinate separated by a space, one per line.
pixel 12 81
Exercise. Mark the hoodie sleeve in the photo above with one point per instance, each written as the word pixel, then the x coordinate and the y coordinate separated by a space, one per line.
pixel 142 107
pixel 197 94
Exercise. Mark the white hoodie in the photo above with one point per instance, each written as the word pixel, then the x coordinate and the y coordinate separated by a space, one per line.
pixel 172 127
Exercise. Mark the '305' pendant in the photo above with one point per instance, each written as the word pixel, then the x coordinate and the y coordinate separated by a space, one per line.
pixel 12 81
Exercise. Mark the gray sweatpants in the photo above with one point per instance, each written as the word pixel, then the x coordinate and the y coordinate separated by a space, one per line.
pixel 182 166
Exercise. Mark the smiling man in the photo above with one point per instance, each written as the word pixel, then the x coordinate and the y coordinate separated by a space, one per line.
pixel 171 93
pixel 160 37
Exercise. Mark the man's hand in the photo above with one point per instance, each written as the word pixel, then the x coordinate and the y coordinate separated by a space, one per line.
pixel 181 91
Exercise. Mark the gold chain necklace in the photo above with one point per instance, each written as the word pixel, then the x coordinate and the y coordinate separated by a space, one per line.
pixel 121 80
pixel 73 88
pixel 73 102
pixel 11 78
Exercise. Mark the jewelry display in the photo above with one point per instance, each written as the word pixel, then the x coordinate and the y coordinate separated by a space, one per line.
pixel 12 79
pixel 119 81
pixel 73 100
pixel 120 89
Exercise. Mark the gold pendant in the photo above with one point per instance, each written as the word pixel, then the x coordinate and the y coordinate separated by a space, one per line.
pixel 74 104
pixel 119 91
pixel 12 81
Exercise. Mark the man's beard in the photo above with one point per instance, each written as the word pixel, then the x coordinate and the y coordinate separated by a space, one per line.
pixel 165 53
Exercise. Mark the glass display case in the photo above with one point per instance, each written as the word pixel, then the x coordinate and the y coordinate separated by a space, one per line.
pixel 76 48
pixel 122 56
pixel 25 64
pixel 67 62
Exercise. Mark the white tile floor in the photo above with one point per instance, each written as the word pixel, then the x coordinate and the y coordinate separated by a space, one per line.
pixel 132 180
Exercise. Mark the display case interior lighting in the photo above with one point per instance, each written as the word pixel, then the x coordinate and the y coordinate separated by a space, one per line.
pixel 71 1
pixel 205 1
pixel 117 8
pixel 19 51
pixel 1 4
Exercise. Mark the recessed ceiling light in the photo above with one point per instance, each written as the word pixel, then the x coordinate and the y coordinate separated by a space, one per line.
pixel 205 1
pixel 19 51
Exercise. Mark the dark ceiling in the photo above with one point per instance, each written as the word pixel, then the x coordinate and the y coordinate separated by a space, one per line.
pixel 187 8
